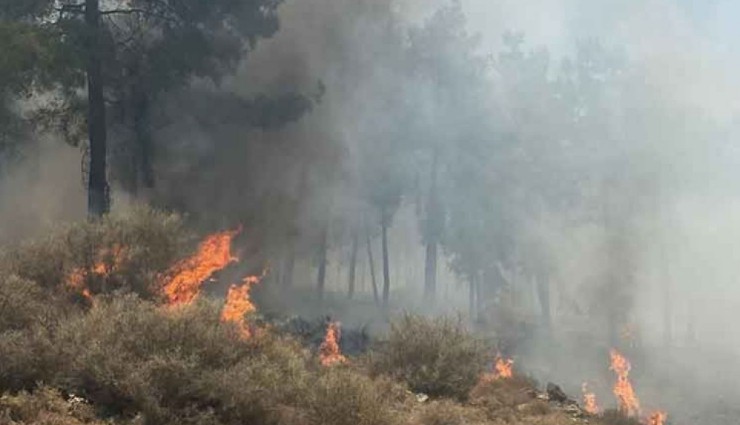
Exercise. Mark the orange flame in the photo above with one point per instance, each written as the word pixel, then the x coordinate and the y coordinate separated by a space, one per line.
pixel 329 352
pixel 628 401
pixel 657 418
pixel 187 276
pixel 502 369
pixel 77 278
pixel 589 400
pixel 238 304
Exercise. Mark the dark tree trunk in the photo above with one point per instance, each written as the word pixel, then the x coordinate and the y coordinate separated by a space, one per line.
pixel 98 202
pixel 386 264
pixel 371 265
pixel 321 279
pixel 353 263
pixel 433 224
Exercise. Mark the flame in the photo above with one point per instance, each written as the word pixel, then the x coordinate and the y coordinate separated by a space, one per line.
pixel 502 369
pixel 238 304
pixel 589 400
pixel 187 276
pixel 77 278
pixel 656 418
pixel 628 401
pixel 329 352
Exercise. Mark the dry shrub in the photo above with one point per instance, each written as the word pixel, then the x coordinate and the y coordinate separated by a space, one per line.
pixel 614 417
pixel 445 412
pixel 135 248
pixel 437 357
pixel 341 396
pixel 45 406
pixel 24 304
pixel 508 398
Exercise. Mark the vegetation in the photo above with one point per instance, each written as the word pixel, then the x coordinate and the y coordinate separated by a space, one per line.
pixel 125 357
pixel 435 357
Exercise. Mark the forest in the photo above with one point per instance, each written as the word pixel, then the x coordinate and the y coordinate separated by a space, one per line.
pixel 463 185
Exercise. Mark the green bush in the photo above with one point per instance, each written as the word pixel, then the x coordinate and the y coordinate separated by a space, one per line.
pixel 437 357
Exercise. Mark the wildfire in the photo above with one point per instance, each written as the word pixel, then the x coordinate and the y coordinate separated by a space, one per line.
pixel 589 400
pixel 657 418
pixel 628 401
pixel 187 276
pixel 329 352
pixel 77 279
pixel 502 369
pixel 238 304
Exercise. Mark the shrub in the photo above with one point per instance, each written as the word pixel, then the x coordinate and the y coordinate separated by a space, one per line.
pixel 341 396
pixel 134 248
pixel 45 406
pixel 23 304
pixel 614 417
pixel 437 357
pixel 445 412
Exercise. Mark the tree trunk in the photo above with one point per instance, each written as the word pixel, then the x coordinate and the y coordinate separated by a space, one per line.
pixel 386 264
pixel 371 265
pixel 321 279
pixel 98 201
pixel 353 263
pixel 433 223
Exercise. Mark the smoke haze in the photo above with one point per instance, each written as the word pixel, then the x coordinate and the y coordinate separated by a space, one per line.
pixel 656 244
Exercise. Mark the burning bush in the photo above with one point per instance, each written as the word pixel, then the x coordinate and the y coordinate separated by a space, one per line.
pixel 124 252
pixel 436 357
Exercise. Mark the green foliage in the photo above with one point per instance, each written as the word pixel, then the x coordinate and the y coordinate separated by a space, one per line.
pixel 437 357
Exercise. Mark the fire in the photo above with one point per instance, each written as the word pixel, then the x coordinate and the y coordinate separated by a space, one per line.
pixel 77 279
pixel 589 400
pixel 329 352
pixel 238 304
pixel 628 401
pixel 502 369
pixel 187 276
pixel 657 418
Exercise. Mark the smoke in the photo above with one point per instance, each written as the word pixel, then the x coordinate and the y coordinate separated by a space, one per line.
pixel 653 247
